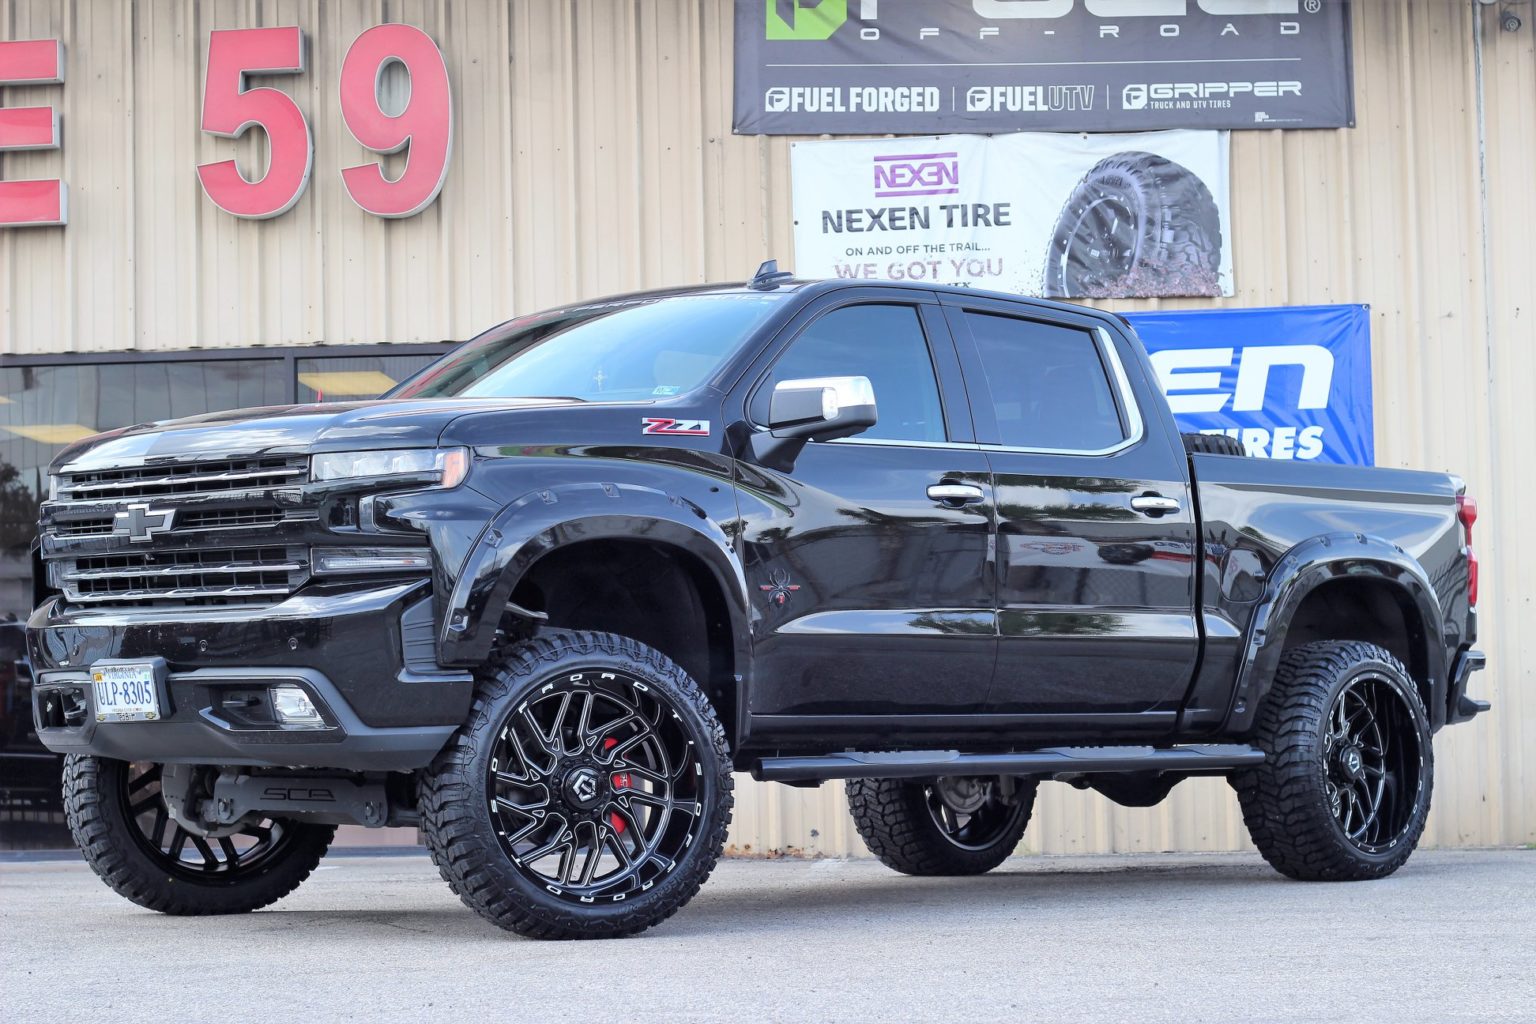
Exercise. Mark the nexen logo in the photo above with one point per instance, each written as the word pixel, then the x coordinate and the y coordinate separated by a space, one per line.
pixel 917 174
pixel 1177 371
pixel 1192 380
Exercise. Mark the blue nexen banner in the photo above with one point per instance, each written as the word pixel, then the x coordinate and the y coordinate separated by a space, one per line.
pixel 1291 382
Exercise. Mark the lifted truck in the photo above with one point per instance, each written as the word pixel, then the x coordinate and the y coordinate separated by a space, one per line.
pixel 542 599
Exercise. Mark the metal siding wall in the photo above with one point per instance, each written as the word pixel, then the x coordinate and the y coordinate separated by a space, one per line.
pixel 599 158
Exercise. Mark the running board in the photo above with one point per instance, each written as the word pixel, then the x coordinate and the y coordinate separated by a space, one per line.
pixel 1050 762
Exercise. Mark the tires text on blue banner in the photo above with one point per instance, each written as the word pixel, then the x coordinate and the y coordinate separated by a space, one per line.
pixel 1290 382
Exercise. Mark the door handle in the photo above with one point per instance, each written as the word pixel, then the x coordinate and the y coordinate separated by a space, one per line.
pixel 1154 505
pixel 955 494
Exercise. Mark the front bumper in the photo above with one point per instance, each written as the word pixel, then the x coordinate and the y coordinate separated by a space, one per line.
pixel 363 657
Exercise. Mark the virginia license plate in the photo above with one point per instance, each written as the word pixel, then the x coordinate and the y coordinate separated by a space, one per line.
pixel 126 692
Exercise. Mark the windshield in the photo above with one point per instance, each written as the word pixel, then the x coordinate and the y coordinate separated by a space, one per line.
pixel 615 351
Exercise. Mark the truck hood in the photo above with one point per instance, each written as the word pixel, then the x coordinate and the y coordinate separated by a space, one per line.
pixel 286 429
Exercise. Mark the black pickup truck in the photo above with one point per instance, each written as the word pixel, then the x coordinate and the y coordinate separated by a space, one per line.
pixel 542 599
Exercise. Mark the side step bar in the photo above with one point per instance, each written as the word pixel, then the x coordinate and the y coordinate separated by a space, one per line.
pixel 1050 762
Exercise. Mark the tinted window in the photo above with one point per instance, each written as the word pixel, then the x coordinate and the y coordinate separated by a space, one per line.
pixel 627 350
pixel 885 344
pixel 1048 385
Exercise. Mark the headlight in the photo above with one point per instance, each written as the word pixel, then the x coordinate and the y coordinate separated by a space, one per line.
pixel 432 467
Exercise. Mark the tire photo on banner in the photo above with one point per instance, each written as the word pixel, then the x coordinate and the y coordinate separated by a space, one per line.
pixel 1066 216
pixel 1137 224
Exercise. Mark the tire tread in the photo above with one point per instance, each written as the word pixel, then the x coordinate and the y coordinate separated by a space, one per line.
pixel 97 830
pixel 1283 801
pixel 894 823
pixel 462 841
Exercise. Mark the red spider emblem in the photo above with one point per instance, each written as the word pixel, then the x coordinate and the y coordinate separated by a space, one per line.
pixel 778 588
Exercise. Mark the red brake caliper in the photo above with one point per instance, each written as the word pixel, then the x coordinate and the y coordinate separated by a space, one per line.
pixel 619 780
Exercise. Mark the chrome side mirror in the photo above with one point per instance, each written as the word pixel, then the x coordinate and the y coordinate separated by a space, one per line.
pixel 822 408
pixel 812 409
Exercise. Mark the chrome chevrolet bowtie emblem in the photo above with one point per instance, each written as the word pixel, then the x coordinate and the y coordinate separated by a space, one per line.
pixel 139 523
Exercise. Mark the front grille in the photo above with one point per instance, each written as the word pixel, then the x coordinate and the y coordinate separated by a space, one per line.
pixel 204 576
pixel 223 476
pixel 228 518
pixel 96 527
pixel 211 532
pixel 197 519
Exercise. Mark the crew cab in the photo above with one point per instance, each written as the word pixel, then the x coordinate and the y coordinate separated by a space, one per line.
pixel 545 597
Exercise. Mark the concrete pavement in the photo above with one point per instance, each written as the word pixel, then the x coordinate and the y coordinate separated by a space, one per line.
pixel 1218 938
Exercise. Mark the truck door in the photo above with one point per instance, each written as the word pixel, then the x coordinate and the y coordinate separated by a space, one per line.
pixel 1096 530
pixel 867 559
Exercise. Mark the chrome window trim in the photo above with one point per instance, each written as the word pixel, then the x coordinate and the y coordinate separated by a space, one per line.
pixel 1135 424
pixel 967 446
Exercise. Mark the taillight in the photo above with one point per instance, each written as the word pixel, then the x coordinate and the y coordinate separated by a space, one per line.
pixel 1466 513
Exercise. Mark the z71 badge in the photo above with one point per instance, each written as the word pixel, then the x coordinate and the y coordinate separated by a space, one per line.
pixel 667 425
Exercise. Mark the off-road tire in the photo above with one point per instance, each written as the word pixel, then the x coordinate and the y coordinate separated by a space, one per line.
pixel 1212 444
pixel 893 818
pixel 1285 801
pixel 115 848
pixel 1137 224
pixel 457 824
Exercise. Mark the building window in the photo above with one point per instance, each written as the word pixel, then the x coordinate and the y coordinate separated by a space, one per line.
pixel 49 402
pixel 352 378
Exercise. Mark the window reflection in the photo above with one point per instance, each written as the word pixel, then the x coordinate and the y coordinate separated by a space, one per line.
pixel 354 378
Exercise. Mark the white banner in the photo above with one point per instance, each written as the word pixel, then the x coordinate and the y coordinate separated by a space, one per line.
pixel 1062 216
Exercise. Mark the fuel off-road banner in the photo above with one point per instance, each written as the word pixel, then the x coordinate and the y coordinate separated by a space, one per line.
pixel 871 67
pixel 1061 216
pixel 1290 383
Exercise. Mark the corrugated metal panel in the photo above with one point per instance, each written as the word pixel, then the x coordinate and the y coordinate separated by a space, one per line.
pixel 593 154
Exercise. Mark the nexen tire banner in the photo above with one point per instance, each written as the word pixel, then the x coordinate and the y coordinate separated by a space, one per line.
pixel 1289 383
pixel 872 67
pixel 1061 216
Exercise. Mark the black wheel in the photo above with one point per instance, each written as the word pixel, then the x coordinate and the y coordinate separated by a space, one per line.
pixel 1137 224
pixel 119 821
pixel 588 795
pixel 961 825
pixel 1345 790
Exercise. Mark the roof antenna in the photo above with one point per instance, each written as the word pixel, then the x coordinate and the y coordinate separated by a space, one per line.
pixel 769 276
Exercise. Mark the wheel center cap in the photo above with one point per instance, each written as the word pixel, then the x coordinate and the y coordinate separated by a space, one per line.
pixel 1351 762
pixel 582 787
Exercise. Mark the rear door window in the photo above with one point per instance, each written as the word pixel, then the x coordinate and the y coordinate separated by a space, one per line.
pixel 1047 384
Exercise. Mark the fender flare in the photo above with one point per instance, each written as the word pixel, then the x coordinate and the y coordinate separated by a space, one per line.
pixel 1302 570
pixel 546 520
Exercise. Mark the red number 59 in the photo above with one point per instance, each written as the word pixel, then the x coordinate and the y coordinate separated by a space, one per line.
pixel 230 109
pixel 426 123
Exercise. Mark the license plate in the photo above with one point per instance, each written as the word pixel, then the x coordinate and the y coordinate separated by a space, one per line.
pixel 126 692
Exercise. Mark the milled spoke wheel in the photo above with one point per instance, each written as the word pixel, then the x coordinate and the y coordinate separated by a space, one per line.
pixel 118 818
pixel 1372 781
pixel 594 786
pixel 242 851
pixel 970 811
pixel 960 825
pixel 1345 788
pixel 588 793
